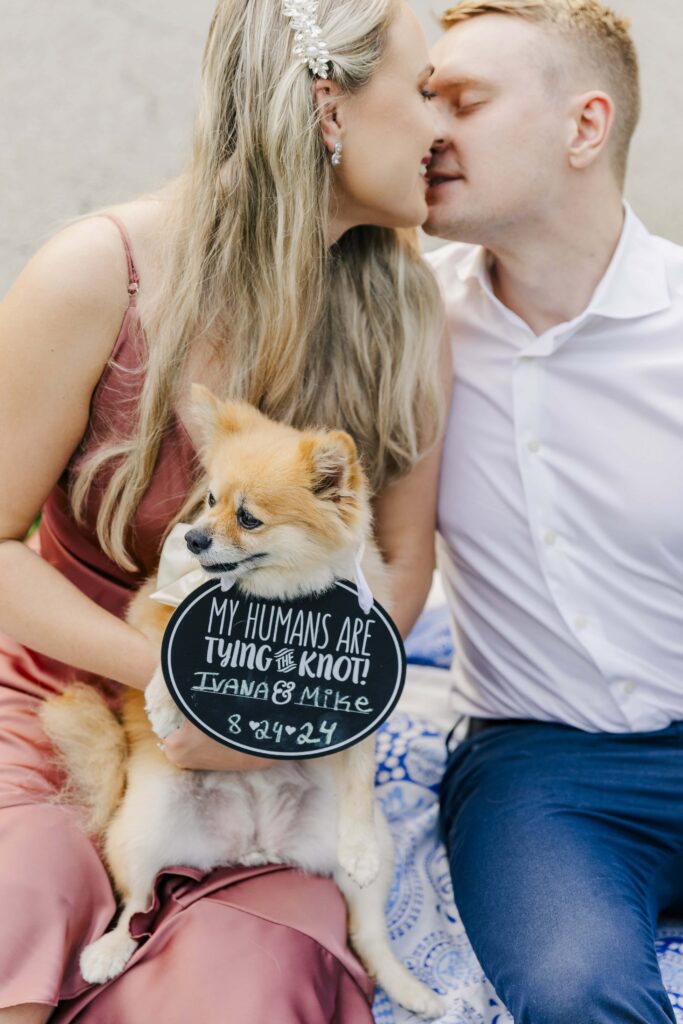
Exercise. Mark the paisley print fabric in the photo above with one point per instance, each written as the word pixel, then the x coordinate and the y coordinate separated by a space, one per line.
pixel 422 919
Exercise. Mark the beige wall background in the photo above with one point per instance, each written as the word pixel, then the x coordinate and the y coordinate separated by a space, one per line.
pixel 97 97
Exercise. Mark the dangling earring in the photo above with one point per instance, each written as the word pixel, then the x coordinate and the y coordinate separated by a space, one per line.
pixel 336 157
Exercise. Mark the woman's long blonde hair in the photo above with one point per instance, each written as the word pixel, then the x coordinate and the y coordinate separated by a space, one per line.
pixel 345 336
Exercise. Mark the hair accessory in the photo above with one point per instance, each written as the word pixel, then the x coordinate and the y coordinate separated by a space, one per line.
pixel 308 44
pixel 336 157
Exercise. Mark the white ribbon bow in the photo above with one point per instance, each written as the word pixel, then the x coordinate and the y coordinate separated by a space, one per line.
pixel 365 598
pixel 179 575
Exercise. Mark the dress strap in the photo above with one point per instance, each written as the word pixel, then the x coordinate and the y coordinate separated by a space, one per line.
pixel 133 278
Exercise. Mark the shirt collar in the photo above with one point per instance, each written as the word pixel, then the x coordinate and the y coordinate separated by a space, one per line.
pixel 474 266
pixel 635 283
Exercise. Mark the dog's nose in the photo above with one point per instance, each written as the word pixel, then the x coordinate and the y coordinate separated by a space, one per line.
pixel 197 541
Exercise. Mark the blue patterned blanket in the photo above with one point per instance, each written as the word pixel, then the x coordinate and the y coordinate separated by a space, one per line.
pixel 423 923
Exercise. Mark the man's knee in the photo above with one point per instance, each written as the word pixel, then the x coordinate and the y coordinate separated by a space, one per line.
pixel 561 989
pixel 568 985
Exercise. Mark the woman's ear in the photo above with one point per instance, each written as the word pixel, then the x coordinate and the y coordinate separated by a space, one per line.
pixel 327 99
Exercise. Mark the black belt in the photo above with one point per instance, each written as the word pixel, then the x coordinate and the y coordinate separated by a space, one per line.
pixel 475 726
pixel 478 725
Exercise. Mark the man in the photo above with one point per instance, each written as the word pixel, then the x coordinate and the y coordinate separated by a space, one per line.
pixel 561 513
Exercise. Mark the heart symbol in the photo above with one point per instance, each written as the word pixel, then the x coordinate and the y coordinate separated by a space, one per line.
pixel 254 725
pixel 289 729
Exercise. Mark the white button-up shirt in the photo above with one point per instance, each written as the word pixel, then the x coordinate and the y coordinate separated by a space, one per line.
pixel 561 505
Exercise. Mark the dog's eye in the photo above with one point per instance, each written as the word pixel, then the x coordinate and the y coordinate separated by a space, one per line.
pixel 246 520
pixel 210 499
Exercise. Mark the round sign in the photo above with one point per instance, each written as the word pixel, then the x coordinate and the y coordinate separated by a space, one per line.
pixel 287 679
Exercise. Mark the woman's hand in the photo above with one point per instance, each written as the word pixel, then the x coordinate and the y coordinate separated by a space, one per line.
pixel 188 747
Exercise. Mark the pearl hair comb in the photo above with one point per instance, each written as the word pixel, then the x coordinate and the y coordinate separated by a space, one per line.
pixel 309 46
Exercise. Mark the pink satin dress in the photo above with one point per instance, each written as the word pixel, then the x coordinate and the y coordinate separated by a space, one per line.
pixel 236 946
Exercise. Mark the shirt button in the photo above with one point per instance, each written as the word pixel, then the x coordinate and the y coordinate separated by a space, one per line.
pixel 629 687
pixel 580 621
pixel 534 446
pixel 550 538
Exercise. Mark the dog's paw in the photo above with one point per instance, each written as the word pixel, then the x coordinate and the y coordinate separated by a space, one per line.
pixel 255 859
pixel 413 995
pixel 164 721
pixel 164 716
pixel 420 999
pixel 359 857
pixel 105 959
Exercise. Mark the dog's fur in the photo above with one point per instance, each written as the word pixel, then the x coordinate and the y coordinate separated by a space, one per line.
pixel 309 493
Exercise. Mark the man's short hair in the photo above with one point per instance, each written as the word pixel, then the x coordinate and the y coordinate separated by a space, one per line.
pixel 600 40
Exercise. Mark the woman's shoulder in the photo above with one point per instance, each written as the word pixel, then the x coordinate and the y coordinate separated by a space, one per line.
pixel 70 299
pixel 81 269
pixel 87 259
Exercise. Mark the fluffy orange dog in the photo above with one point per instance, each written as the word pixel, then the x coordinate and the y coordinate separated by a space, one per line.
pixel 286 513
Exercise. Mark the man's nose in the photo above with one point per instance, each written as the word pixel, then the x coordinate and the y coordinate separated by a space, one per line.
pixel 443 127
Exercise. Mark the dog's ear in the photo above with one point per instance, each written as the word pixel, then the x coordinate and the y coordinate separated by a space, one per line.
pixel 205 411
pixel 333 464
pixel 213 415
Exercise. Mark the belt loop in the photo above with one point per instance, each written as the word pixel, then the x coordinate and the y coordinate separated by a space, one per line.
pixel 459 720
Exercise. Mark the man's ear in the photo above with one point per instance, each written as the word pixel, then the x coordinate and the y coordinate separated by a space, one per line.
pixel 333 463
pixel 327 98
pixel 592 120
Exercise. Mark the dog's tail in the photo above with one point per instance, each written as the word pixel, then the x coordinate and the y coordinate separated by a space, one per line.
pixel 91 745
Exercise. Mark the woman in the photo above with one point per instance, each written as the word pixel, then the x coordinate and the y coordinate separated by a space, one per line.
pixel 271 270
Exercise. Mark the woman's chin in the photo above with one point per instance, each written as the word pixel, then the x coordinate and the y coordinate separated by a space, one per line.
pixel 412 215
pixel 419 210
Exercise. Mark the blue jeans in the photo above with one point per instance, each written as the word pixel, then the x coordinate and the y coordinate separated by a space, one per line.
pixel 564 847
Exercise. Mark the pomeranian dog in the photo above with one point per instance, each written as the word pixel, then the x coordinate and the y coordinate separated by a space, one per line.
pixel 287 511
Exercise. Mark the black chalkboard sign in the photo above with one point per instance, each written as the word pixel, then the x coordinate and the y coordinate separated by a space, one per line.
pixel 288 679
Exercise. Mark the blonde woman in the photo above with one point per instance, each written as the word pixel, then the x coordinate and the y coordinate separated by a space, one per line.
pixel 272 270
